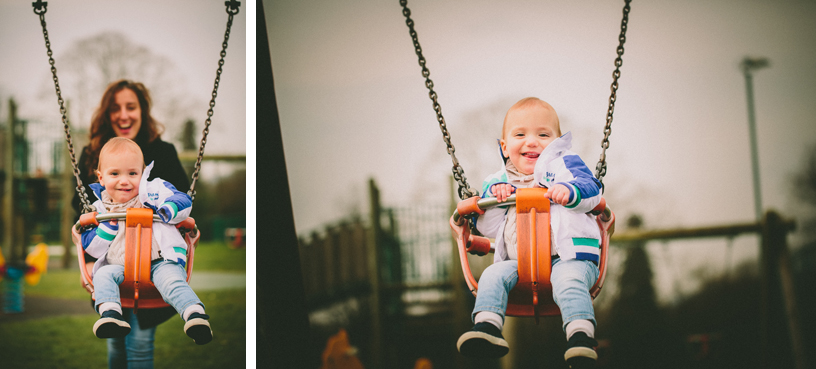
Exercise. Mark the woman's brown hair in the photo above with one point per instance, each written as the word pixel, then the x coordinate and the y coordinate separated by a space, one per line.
pixel 102 128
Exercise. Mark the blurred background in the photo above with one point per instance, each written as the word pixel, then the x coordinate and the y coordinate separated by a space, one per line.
pixel 711 171
pixel 173 49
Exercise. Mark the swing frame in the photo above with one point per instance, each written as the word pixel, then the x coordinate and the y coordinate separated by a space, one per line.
pixel 532 296
pixel 137 290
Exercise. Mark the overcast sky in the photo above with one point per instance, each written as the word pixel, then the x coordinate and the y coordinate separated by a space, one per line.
pixel 353 104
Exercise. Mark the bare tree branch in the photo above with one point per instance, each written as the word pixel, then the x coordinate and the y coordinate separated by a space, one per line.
pixel 90 64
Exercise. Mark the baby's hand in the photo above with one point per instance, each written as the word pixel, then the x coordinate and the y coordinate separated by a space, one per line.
pixel 559 194
pixel 167 212
pixel 502 191
pixel 108 229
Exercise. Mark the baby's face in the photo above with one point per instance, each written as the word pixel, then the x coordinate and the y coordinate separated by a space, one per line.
pixel 528 131
pixel 121 173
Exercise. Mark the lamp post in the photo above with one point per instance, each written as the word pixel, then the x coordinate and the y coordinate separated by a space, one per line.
pixel 748 65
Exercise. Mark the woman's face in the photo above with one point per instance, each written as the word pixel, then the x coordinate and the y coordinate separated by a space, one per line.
pixel 126 114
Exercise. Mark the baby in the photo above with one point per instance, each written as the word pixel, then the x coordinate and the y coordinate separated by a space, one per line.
pixel 535 154
pixel 123 184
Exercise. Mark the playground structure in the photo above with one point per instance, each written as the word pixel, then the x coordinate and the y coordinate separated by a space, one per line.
pixel 780 319
pixel 27 198
pixel 397 303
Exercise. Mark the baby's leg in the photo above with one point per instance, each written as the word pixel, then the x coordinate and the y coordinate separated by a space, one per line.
pixel 494 288
pixel 106 281
pixel 170 279
pixel 485 338
pixel 571 281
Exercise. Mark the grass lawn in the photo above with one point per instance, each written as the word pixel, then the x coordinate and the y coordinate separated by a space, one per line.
pixel 216 256
pixel 68 342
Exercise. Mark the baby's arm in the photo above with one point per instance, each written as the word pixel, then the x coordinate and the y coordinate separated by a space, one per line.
pixel 574 186
pixel 96 240
pixel 176 207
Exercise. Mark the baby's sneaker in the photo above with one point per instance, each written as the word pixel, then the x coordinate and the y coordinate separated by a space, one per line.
pixel 111 325
pixel 581 352
pixel 198 328
pixel 484 340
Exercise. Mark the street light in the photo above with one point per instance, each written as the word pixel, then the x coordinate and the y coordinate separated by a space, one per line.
pixel 747 65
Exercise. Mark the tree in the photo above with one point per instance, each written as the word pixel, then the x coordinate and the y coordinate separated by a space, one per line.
pixel 803 194
pixel 90 64
pixel 188 136
pixel 223 199
pixel 640 333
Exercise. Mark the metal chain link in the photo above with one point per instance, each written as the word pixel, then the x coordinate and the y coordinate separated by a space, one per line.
pixel 600 169
pixel 458 172
pixel 40 8
pixel 232 9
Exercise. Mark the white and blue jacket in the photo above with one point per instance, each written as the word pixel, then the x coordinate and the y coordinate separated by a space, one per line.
pixel 173 206
pixel 574 232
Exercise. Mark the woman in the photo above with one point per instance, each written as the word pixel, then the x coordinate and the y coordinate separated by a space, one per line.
pixel 124 111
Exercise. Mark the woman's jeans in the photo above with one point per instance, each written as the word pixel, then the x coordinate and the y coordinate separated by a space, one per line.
pixel 134 351
pixel 169 278
pixel 571 280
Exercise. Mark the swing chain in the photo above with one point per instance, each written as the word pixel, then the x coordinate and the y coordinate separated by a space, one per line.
pixel 233 6
pixel 40 8
pixel 458 172
pixel 232 10
pixel 600 169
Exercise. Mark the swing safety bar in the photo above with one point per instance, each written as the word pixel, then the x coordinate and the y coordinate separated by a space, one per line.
pixel 533 298
pixel 94 218
pixel 478 205
pixel 137 290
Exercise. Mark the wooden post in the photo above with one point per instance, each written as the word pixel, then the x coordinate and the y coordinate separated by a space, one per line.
pixel 329 263
pixel 8 188
pixel 374 275
pixel 778 300
pixel 777 238
pixel 768 270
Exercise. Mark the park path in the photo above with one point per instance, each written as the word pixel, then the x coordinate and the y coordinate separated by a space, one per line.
pixel 36 307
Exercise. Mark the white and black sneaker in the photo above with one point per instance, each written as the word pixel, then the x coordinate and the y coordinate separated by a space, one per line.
pixel 198 328
pixel 581 352
pixel 111 325
pixel 484 340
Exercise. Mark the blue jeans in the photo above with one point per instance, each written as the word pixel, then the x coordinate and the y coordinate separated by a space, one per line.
pixel 134 351
pixel 571 281
pixel 168 276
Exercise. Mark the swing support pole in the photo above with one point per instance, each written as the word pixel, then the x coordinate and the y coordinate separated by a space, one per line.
pixel 779 313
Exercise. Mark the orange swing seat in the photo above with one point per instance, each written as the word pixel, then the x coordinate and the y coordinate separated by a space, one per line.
pixel 137 290
pixel 532 295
